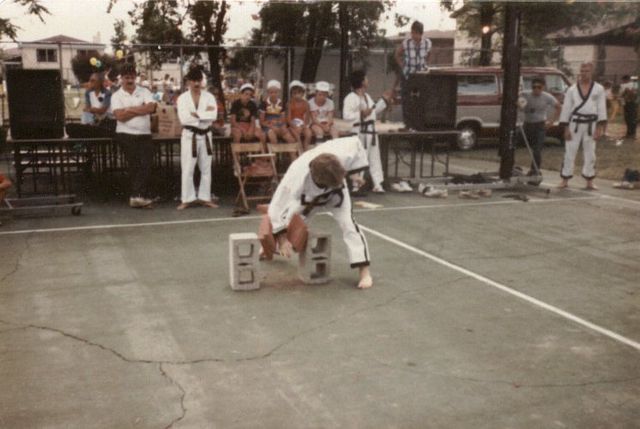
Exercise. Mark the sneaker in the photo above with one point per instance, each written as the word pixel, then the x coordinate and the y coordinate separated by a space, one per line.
pixel 484 193
pixel 139 202
pixel 468 195
pixel 423 187
pixel 397 187
pixel 378 190
pixel 406 186
pixel 436 193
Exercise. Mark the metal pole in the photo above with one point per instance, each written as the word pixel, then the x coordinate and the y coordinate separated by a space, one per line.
pixel 511 69
pixel 344 51
pixel 180 63
pixel 61 79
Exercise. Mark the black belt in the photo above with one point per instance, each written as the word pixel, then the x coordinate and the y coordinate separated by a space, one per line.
pixel 364 129
pixel 321 200
pixel 195 131
pixel 579 118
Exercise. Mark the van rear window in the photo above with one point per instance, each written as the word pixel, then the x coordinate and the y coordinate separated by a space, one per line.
pixel 477 85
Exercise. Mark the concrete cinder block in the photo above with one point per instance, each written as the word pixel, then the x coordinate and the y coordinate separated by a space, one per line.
pixel 314 265
pixel 244 247
pixel 244 265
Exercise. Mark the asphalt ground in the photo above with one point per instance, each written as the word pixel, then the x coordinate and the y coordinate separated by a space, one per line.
pixel 489 313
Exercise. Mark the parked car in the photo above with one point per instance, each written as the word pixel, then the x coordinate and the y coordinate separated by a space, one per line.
pixel 480 98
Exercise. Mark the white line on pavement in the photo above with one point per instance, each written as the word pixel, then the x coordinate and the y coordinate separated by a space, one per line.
pixel 565 314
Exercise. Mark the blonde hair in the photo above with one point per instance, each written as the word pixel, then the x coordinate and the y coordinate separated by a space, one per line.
pixel 326 170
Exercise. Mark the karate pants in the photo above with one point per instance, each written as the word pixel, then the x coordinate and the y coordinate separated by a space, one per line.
pixel 588 151
pixel 188 166
pixel 357 247
pixel 373 156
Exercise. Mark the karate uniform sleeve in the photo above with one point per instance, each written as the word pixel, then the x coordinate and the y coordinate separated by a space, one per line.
pixel 567 107
pixel 209 115
pixel 380 106
pixel 184 111
pixel 357 159
pixel 285 200
pixel 601 106
pixel 351 108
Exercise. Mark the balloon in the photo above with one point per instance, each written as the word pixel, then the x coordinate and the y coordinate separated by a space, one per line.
pixel 93 61
pixel 98 64
pixel 119 54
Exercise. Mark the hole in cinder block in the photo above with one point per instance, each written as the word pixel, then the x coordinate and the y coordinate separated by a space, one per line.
pixel 320 271
pixel 245 276
pixel 319 244
pixel 245 250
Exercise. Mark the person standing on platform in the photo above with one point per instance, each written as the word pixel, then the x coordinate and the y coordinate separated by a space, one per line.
pixel 132 106
pixel 197 110
pixel 360 110
pixel 412 56
pixel 584 113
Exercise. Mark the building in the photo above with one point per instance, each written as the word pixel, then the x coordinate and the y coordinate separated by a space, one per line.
pixel 56 53
pixel 610 45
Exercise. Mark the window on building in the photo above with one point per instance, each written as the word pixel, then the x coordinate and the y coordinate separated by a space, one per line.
pixel 47 55
pixel 477 85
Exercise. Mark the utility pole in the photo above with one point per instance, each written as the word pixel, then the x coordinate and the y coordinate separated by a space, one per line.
pixel 343 15
pixel 511 72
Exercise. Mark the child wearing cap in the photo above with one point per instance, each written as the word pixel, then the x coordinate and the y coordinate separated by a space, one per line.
pixel 322 111
pixel 298 114
pixel 243 115
pixel 273 115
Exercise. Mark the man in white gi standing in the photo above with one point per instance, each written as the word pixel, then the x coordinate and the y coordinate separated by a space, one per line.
pixel 317 181
pixel 360 110
pixel 197 109
pixel 584 114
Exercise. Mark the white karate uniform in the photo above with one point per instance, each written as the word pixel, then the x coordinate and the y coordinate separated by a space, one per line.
pixel 365 127
pixel 186 106
pixel 582 113
pixel 298 194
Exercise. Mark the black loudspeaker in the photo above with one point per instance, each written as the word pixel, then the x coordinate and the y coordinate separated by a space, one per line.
pixel 431 101
pixel 36 104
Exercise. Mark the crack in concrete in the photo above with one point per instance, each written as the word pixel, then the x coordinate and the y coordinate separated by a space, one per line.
pixel 512 383
pixel 16 267
pixel 182 396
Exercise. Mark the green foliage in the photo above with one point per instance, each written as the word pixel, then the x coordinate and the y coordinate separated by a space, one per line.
pixel 34 7
pixel 119 38
pixel 82 68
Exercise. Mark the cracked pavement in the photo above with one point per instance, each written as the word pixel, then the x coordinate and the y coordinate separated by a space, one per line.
pixel 137 327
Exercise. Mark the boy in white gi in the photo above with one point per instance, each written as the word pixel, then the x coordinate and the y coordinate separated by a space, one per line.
pixel 317 180
pixel 197 109
pixel 359 109
pixel 584 114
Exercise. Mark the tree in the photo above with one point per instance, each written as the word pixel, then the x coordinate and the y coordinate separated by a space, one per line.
pixel 482 19
pixel 316 26
pixel 119 39
pixel 33 8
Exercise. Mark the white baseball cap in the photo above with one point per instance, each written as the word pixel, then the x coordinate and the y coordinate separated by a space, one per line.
pixel 296 84
pixel 247 86
pixel 323 86
pixel 274 84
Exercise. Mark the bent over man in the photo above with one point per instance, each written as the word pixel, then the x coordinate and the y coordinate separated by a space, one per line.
pixel 584 114
pixel 317 181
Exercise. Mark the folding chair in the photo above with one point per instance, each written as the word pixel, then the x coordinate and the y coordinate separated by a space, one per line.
pixel 253 167
pixel 280 152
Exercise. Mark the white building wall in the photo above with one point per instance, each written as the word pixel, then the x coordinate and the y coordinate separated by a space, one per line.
pixel 30 59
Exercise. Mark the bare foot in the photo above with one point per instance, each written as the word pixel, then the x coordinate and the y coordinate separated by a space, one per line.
pixel 562 185
pixel 365 282
pixel 591 187
pixel 183 206
pixel 209 204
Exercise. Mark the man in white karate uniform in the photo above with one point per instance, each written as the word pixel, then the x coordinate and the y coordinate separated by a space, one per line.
pixel 197 109
pixel 316 181
pixel 584 114
pixel 359 109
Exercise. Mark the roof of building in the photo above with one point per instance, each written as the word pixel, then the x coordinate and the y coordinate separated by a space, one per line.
pixel 61 38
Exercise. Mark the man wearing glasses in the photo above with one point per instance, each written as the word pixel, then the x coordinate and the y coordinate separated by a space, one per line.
pixel 537 121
